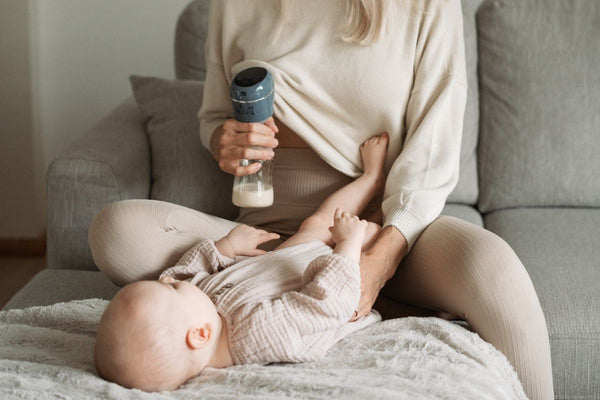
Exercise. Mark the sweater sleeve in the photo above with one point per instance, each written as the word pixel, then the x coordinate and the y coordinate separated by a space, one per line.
pixel 203 258
pixel 216 104
pixel 426 171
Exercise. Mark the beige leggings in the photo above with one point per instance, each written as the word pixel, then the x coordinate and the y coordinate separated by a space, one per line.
pixel 456 270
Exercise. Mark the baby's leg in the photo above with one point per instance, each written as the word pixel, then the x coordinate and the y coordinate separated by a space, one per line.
pixel 352 198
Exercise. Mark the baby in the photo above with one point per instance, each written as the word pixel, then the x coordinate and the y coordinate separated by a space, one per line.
pixel 227 302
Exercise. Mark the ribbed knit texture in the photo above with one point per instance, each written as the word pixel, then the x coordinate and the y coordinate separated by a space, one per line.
pixel 335 95
pixel 472 274
pixel 288 305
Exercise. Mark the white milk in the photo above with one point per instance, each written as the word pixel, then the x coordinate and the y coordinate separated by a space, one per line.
pixel 248 195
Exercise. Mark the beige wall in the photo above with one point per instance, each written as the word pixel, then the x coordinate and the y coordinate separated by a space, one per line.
pixel 65 64
pixel 19 197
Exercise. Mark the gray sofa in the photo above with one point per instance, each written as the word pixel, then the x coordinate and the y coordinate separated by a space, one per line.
pixel 530 169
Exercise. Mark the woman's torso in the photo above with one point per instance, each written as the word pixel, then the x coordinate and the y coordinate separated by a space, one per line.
pixel 287 138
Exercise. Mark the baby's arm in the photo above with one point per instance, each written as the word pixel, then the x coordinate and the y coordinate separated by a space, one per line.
pixel 243 240
pixel 210 257
pixel 204 258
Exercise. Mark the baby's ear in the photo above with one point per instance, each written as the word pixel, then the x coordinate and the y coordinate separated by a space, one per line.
pixel 198 337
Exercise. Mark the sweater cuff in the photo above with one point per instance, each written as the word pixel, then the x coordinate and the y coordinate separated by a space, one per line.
pixel 408 223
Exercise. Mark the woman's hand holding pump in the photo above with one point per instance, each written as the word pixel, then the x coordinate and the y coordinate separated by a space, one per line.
pixel 235 141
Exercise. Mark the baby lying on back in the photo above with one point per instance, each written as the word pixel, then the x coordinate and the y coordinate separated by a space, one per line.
pixel 211 310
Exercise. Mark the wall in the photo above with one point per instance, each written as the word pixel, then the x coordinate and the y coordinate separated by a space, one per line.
pixel 19 215
pixel 68 65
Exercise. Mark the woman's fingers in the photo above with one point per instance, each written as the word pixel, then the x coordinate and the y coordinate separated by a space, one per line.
pixel 247 134
pixel 253 139
pixel 233 167
pixel 245 141
pixel 247 153
pixel 271 124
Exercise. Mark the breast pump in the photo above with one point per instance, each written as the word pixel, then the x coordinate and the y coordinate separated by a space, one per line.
pixel 252 92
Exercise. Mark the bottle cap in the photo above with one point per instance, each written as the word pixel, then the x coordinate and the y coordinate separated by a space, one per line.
pixel 252 91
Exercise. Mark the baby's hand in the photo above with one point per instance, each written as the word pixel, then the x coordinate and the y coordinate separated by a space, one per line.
pixel 348 228
pixel 242 241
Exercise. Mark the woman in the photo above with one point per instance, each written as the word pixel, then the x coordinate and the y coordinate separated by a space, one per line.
pixel 345 70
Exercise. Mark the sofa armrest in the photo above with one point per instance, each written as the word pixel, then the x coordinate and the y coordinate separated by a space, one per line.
pixel 110 162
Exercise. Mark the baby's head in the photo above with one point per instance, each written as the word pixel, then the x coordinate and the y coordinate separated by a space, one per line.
pixel 155 335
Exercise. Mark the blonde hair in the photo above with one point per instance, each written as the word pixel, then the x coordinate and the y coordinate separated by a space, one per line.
pixel 364 22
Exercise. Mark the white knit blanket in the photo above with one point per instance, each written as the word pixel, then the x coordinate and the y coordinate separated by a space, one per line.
pixel 47 352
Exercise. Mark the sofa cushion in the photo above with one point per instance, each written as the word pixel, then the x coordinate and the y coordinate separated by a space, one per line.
pixel 559 248
pixel 462 211
pixel 467 190
pixel 540 103
pixel 190 36
pixel 52 286
pixel 183 171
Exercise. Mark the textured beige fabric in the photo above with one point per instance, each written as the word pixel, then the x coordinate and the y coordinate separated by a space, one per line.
pixel 416 91
pixel 466 272
pixel 288 305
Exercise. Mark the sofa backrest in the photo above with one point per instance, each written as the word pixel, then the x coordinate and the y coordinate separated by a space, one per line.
pixel 189 64
pixel 190 37
pixel 539 71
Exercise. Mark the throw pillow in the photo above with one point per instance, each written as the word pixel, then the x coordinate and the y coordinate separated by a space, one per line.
pixel 183 171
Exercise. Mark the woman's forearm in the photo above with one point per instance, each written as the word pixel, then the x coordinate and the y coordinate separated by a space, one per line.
pixel 389 248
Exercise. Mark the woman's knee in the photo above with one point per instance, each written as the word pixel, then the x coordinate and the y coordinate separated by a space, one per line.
pixel 473 252
pixel 486 278
pixel 455 266
pixel 117 236
pixel 137 239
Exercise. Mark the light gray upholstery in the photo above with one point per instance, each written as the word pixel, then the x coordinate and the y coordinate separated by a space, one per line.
pixel 466 190
pixel 560 250
pixel 52 286
pixel 190 37
pixel 109 163
pixel 540 94
pixel 465 212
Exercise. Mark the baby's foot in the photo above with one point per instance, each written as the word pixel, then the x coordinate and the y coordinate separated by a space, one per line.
pixel 373 152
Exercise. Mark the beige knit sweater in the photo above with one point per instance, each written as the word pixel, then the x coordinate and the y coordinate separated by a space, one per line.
pixel 335 95
pixel 288 305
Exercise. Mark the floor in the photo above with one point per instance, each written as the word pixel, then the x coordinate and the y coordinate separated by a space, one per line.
pixel 16 271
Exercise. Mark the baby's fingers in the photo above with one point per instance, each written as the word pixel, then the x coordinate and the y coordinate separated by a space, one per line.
pixel 256 252
pixel 264 236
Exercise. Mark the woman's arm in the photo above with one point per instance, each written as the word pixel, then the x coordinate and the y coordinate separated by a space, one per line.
pixel 227 139
pixel 426 171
